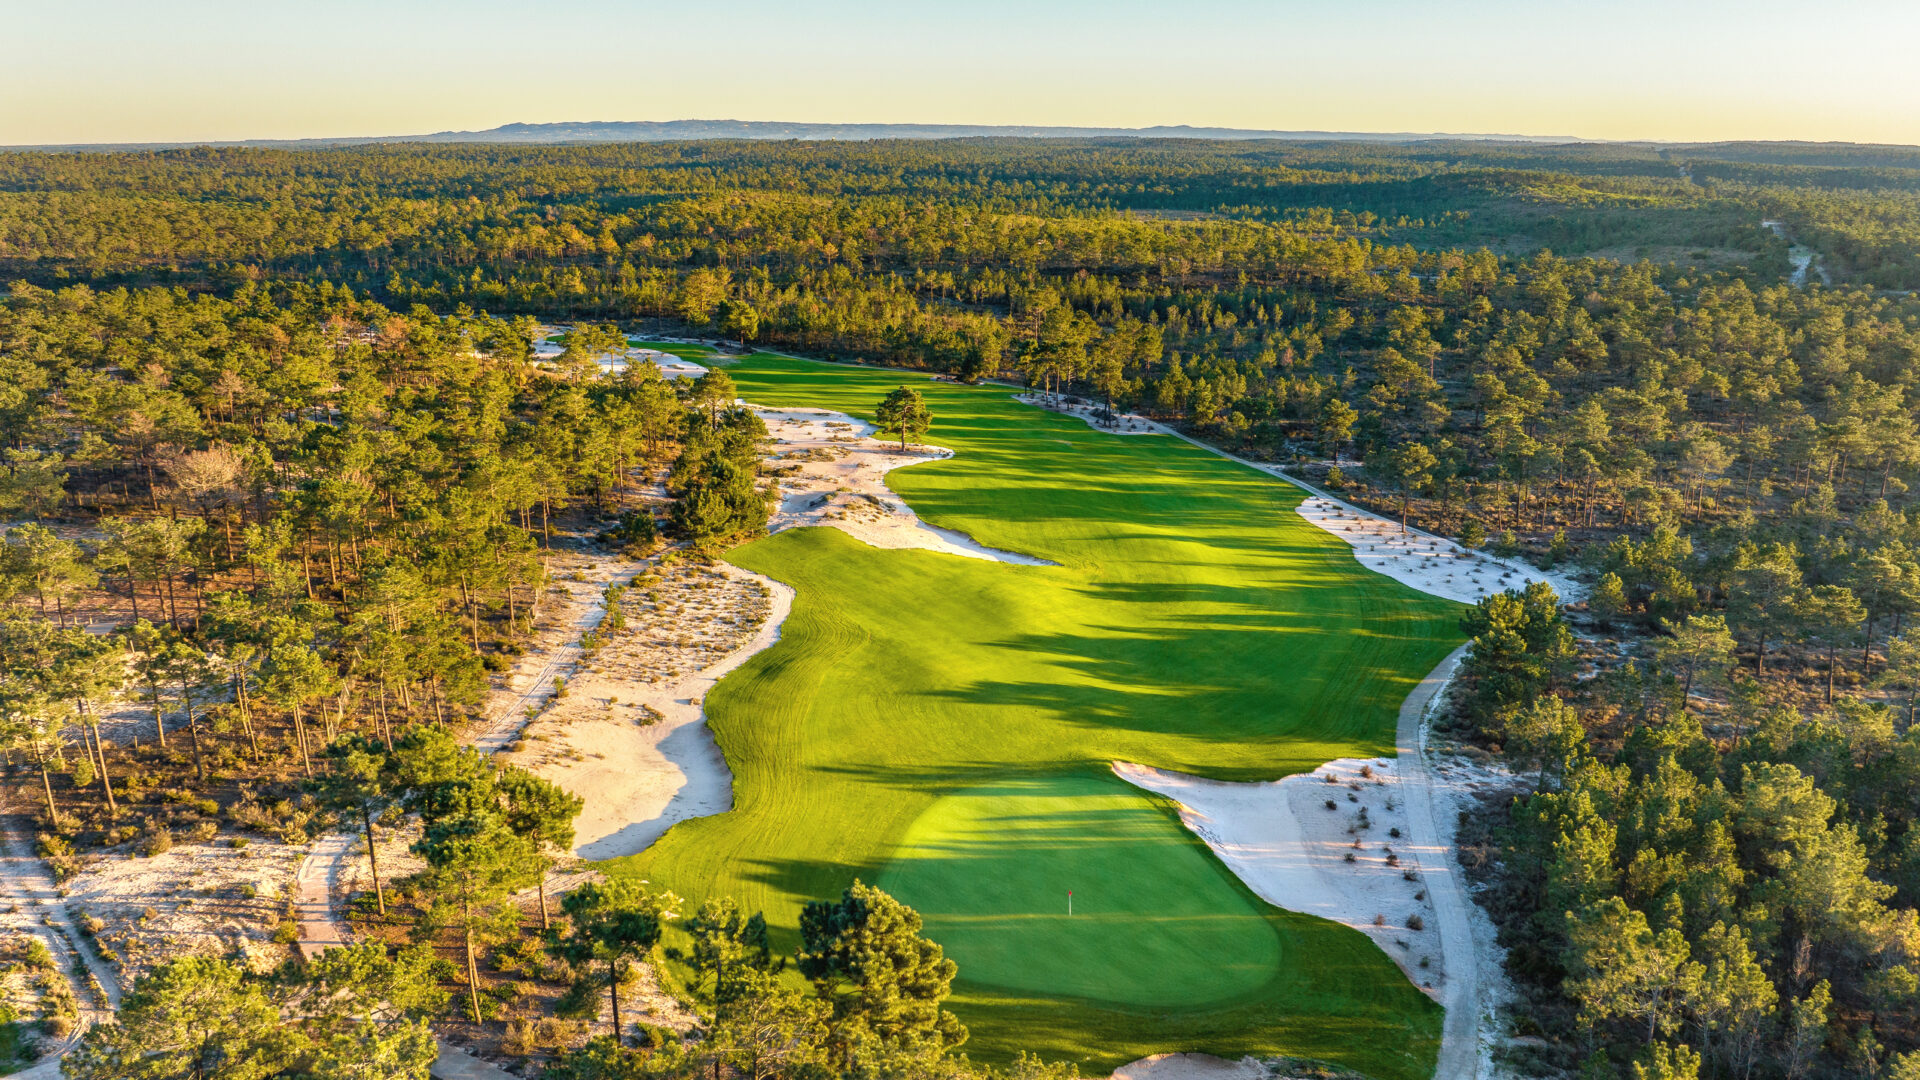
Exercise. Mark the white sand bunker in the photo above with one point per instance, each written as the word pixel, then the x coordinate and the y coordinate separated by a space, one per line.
pixel 1431 564
pixel 1094 415
pixel 1191 1067
pixel 631 734
pixel 833 472
pixel 1334 843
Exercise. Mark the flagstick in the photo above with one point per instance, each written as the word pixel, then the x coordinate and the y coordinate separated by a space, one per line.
pixel 1069 903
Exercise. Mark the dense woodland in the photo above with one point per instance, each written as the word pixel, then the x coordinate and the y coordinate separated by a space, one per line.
pixel 277 406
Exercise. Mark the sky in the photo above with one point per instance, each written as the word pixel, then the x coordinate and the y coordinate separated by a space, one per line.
pixel 82 71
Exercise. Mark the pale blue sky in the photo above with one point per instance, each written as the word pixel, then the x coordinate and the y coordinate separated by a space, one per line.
pixel 177 70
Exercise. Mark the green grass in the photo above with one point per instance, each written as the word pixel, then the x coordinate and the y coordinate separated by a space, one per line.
pixel 920 707
pixel 988 869
pixel 685 352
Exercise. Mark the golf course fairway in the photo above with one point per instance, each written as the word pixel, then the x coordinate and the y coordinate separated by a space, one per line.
pixel 943 727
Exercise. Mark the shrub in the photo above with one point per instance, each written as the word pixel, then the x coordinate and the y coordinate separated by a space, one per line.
pixel 39 957
pixel 286 933
pixel 1415 922
pixel 157 842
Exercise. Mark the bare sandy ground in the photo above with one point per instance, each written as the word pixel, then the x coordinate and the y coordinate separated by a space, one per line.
pixel 630 737
pixel 1120 424
pixel 1333 843
pixel 1432 564
pixel 833 472
pixel 197 898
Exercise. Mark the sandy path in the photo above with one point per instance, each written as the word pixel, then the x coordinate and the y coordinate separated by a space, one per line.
pixel 28 886
pixel 1433 846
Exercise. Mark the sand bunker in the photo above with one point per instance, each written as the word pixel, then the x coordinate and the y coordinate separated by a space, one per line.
pixel 1333 843
pixel 630 735
pixel 1434 565
pixel 833 472
pixel 1094 415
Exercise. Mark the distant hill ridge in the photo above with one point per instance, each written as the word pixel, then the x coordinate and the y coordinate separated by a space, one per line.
pixel 656 131
pixel 689 130
pixel 613 131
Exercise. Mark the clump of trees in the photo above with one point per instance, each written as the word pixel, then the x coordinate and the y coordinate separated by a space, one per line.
pixel 356 1010
pixel 1725 902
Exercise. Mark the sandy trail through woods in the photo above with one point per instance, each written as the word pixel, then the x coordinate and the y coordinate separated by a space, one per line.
pixel 35 906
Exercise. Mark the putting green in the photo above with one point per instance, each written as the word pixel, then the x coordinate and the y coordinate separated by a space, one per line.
pixel 989 869
pixel 1194 622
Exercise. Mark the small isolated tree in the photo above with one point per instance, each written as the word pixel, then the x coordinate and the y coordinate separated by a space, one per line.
pixel 358 788
pixel 541 813
pixel 1608 601
pixel 1411 467
pixel 613 924
pixel 882 980
pixel 739 321
pixel 713 394
pixel 1832 615
pixel 904 413
pixel 1334 426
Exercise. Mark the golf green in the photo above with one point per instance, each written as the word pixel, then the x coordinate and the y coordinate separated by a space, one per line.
pixel 994 869
pixel 920 705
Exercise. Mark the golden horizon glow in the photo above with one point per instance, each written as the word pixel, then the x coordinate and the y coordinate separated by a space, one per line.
pixel 218 70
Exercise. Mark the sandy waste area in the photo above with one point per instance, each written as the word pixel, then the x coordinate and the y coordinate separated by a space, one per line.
pixel 1332 843
pixel 833 472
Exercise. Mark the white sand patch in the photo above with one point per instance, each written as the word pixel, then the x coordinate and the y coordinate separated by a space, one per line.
pixel 1285 841
pixel 1420 560
pixel 197 898
pixel 1190 1067
pixel 631 737
pixel 1434 565
pixel 1096 417
pixel 833 472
